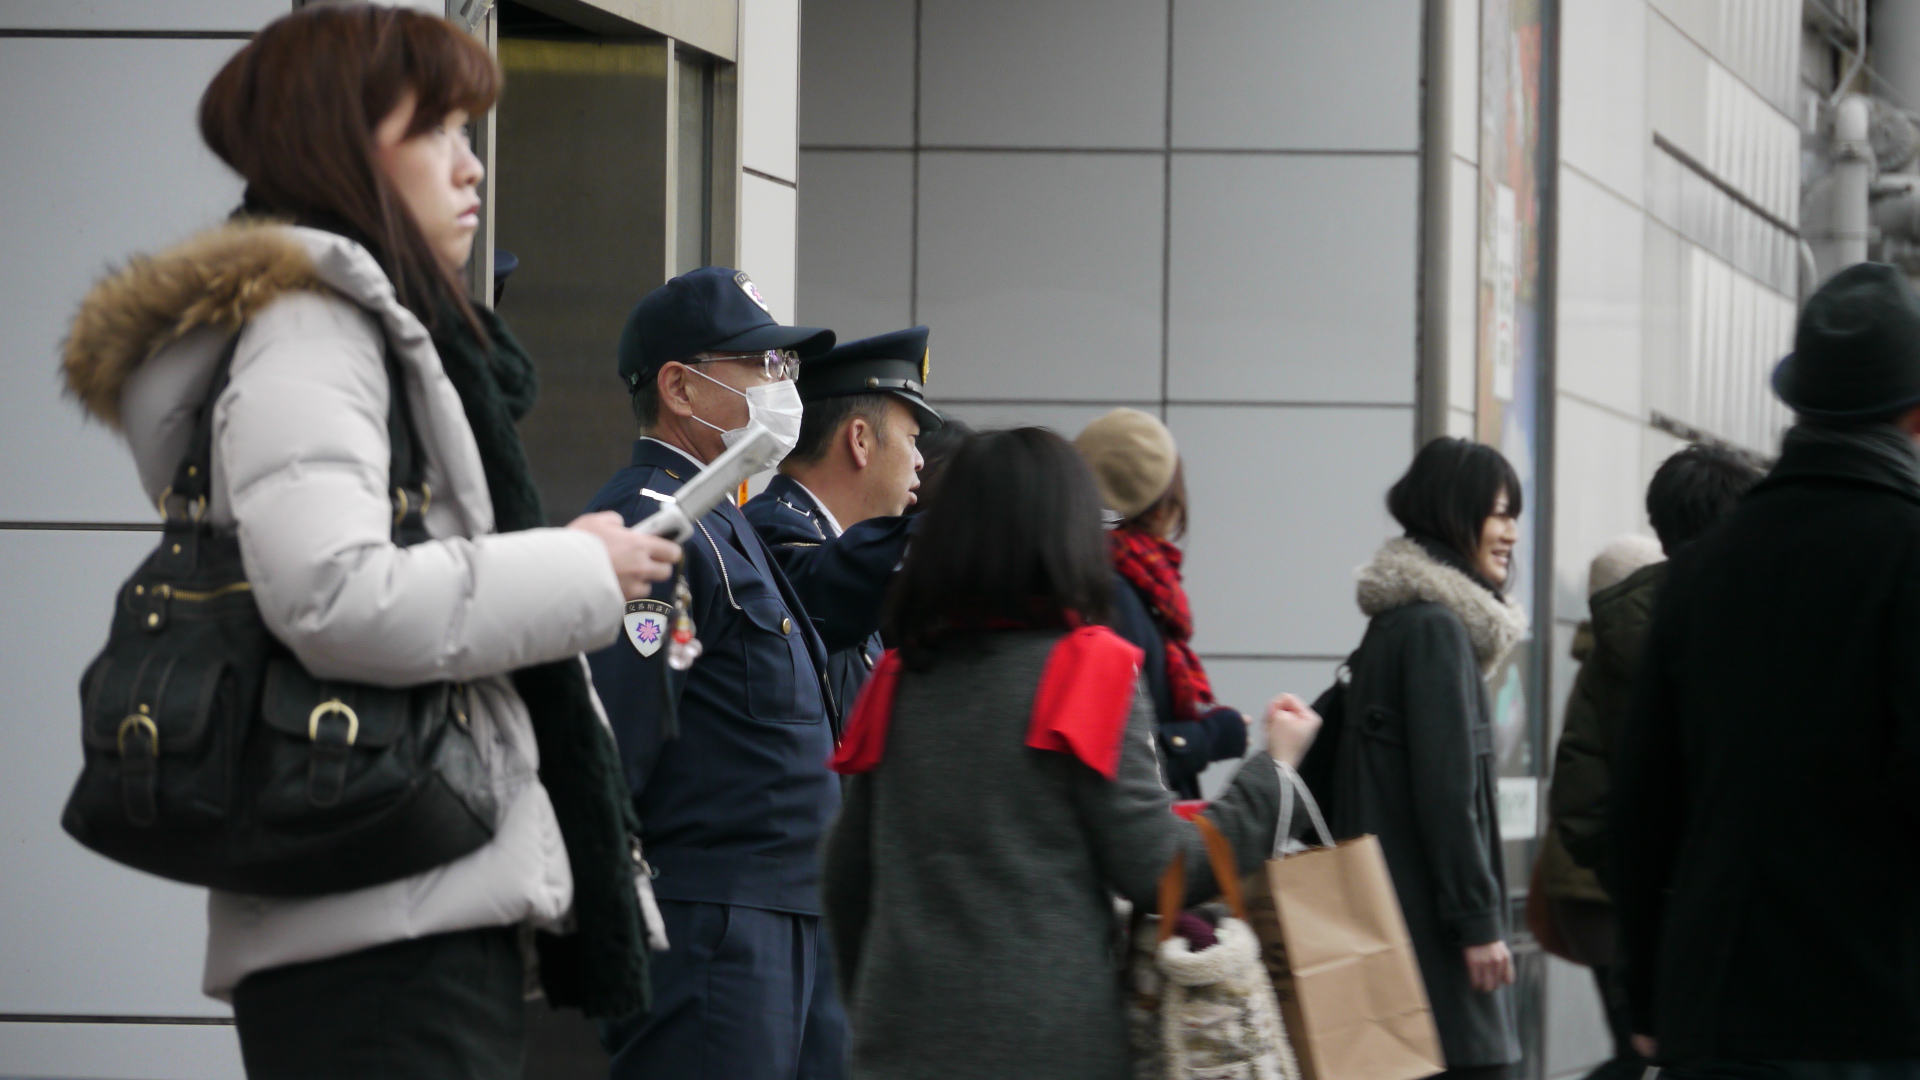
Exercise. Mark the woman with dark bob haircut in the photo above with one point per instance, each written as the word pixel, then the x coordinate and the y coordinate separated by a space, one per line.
pixel 1004 786
pixel 1413 761
pixel 330 305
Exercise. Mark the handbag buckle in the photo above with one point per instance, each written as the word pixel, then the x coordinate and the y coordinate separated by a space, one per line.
pixel 192 510
pixel 140 722
pixel 328 707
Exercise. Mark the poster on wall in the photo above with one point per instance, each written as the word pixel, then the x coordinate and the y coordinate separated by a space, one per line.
pixel 1513 355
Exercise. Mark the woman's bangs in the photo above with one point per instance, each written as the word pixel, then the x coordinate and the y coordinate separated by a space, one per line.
pixel 448 70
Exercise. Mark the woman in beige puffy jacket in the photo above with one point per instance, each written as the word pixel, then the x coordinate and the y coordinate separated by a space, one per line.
pixel 346 121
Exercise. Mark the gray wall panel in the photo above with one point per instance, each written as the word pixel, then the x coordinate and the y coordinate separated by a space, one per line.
pixel 106 162
pixel 856 242
pixel 1577 1037
pixel 1285 502
pixel 1292 278
pixel 1041 273
pixel 1043 73
pixel 856 74
pixel 119 1052
pixel 1065 419
pixel 172 15
pixel 1297 74
pixel 80 935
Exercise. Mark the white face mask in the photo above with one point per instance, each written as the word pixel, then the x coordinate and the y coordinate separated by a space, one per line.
pixel 774 406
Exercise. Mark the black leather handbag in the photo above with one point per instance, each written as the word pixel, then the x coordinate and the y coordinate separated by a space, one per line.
pixel 214 758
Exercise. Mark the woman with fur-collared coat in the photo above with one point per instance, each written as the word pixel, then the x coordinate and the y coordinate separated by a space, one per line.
pixel 1414 761
pixel 347 269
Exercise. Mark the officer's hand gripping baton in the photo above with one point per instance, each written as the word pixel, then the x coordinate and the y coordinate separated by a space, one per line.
pixel 721 478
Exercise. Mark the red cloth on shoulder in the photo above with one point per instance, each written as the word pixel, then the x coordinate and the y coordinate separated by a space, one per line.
pixel 1081 707
pixel 866 734
pixel 1086 692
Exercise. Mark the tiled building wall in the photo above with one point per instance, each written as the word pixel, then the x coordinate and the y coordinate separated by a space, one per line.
pixel 101 159
pixel 1673 298
pixel 1208 211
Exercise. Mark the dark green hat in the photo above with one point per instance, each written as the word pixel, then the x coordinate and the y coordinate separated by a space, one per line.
pixel 895 363
pixel 1856 350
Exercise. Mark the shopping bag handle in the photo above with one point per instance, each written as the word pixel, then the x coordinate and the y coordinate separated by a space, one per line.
pixel 1290 782
pixel 1226 873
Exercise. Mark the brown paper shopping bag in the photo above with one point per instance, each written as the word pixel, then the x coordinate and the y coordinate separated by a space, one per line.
pixel 1342 963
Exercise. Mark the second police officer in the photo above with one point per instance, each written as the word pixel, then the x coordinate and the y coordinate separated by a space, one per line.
pixel 833 514
pixel 734 806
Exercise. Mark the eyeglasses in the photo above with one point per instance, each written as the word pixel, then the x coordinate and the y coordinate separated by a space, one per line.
pixel 778 364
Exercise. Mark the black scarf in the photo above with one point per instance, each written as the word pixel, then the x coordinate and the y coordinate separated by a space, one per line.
pixel 600 968
pixel 1880 454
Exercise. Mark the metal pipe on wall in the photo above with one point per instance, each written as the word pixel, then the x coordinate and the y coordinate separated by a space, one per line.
pixel 1436 205
pixel 1852 182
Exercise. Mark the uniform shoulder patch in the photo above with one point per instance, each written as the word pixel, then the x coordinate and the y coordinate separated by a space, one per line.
pixel 646 623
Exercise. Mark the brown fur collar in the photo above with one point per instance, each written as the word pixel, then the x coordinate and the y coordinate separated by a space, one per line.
pixel 219 278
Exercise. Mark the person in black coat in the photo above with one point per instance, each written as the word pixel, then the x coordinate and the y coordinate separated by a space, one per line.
pixel 1413 761
pixel 1766 808
pixel 1137 467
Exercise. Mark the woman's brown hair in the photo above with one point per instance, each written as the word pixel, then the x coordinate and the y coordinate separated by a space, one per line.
pixel 294 114
pixel 1167 516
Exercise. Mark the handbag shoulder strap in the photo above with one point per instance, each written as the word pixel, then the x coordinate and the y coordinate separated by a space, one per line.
pixel 406 466
pixel 1226 873
pixel 193 477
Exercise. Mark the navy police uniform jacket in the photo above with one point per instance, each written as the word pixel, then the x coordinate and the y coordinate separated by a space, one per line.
pixel 841 580
pixel 733 807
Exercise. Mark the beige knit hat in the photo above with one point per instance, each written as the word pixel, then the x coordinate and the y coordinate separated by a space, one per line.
pixel 1133 459
pixel 1619 560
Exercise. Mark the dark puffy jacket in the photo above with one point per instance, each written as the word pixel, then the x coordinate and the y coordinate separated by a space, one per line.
pixel 1596 711
pixel 1187 747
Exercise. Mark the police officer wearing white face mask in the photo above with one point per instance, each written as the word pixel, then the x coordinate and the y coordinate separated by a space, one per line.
pixel 726 758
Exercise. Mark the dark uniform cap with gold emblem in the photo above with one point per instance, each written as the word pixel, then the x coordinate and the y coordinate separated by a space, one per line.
pixel 895 363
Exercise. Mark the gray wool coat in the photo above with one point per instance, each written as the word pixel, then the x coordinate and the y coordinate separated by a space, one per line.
pixel 969 879
pixel 1415 767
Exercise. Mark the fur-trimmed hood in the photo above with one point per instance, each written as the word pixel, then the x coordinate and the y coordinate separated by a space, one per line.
pixel 218 280
pixel 148 336
pixel 1403 573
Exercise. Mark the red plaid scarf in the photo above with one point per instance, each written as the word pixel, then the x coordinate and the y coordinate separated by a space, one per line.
pixel 1152 566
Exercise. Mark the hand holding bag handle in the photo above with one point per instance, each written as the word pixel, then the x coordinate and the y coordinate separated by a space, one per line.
pixel 1290 782
pixel 1173 884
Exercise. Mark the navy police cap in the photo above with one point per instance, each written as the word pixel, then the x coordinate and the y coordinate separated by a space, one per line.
pixel 712 309
pixel 895 363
